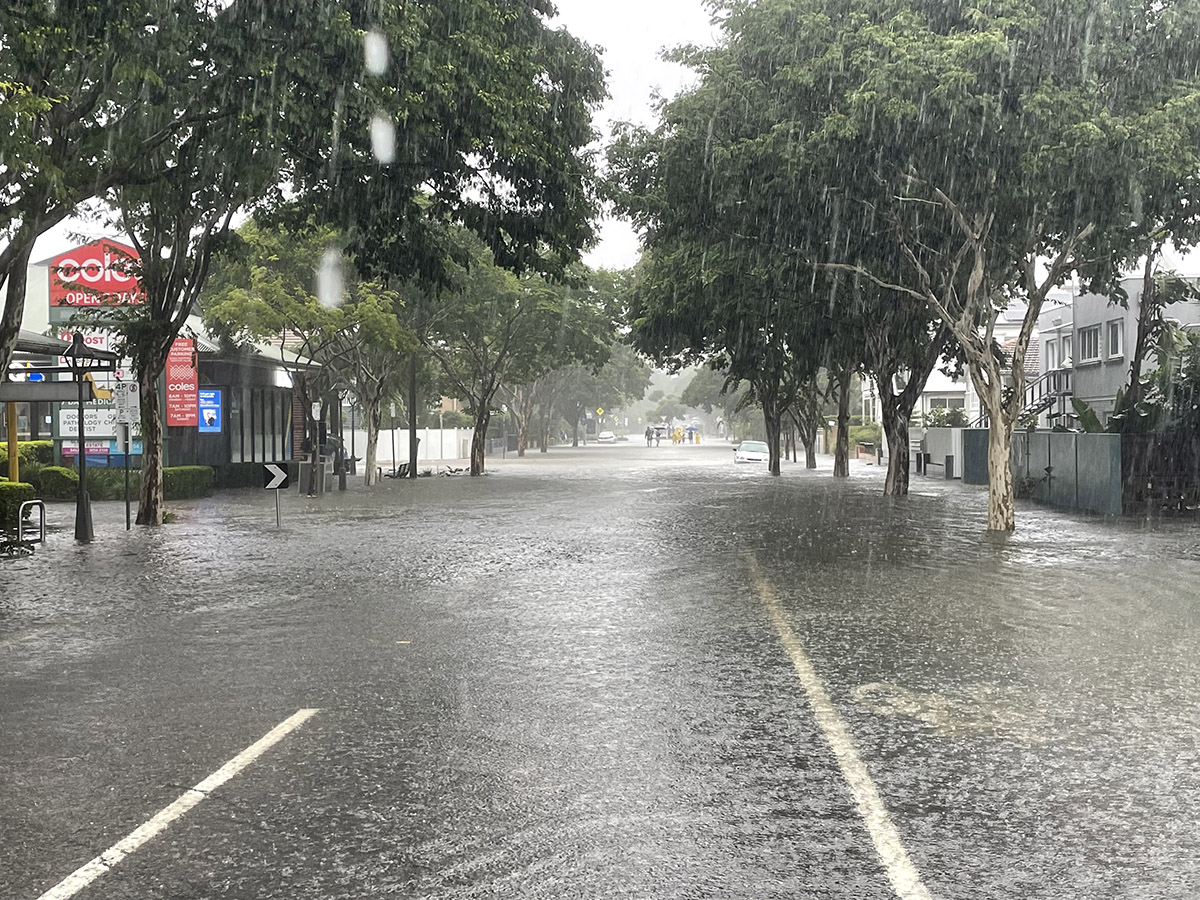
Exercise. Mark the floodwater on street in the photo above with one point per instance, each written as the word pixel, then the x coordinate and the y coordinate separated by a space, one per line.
pixel 582 676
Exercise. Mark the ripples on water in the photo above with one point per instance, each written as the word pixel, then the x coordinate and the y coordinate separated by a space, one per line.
pixel 594 703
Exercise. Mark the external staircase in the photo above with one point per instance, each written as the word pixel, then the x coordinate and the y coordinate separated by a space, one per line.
pixel 1049 394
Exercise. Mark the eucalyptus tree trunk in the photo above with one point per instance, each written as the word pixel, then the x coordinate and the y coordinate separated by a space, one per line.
pixel 841 456
pixel 372 415
pixel 895 427
pixel 479 438
pixel 150 501
pixel 1002 514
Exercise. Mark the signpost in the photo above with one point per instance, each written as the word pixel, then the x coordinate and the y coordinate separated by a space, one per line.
pixel 129 413
pixel 275 478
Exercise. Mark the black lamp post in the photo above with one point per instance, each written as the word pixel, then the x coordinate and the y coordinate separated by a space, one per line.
pixel 83 504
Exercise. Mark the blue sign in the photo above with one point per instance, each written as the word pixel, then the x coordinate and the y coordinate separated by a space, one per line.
pixel 210 410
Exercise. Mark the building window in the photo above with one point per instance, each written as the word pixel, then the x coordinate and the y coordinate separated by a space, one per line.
pixel 1066 349
pixel 1116 338
pixel 947 403
pixel 1089 343
pixel 1051 356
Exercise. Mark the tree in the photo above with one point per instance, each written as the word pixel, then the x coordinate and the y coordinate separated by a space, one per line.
pixel 469 111
pixel 984 146
pixel 492 327
pixel 998 144
pixel 265 289
pixel 76 82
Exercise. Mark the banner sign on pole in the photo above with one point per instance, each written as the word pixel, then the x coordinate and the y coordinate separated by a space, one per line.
pixel 182 384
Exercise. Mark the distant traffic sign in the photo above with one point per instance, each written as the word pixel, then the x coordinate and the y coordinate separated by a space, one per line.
pixel 275 477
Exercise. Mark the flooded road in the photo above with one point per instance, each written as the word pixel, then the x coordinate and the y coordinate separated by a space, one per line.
pixel 583 676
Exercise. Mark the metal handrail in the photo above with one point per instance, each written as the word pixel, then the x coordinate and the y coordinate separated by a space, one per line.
pixel 1055 383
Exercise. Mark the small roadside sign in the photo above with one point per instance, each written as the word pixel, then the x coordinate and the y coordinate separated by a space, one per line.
pixel 275 477
pixel 128 400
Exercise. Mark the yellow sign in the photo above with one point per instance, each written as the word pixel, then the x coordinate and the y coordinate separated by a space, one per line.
pixel 599 412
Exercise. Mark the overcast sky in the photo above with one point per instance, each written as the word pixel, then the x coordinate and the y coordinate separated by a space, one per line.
pixel 632 34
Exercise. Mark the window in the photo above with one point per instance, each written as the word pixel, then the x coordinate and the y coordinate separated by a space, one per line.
pixel 1116 338
pixel 1089 343
pixel 947 403
pixel 1051 355
pixel 1066 349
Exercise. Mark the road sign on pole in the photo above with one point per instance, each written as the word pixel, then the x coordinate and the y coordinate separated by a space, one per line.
pixel 129 406
pixel 275 477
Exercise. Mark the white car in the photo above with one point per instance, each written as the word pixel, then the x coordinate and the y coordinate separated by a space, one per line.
pixel 751 451
pixel 606 437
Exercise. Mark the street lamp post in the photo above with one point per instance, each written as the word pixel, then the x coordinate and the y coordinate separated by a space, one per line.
pixel 83 504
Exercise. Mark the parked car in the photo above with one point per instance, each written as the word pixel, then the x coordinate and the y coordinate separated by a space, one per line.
pixel 751 451
pixel 606 437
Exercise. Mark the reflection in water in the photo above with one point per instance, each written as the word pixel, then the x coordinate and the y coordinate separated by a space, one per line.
pixel 592 700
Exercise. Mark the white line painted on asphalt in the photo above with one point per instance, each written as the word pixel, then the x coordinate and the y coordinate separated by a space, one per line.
pixel 89 872
pixel 905 878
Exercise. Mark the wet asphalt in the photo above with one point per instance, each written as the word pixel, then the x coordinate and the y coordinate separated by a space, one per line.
pixel 563 680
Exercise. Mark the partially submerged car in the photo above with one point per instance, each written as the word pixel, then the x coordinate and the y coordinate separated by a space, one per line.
pixel 751 451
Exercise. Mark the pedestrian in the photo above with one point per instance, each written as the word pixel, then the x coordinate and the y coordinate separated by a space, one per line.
pixel 649 435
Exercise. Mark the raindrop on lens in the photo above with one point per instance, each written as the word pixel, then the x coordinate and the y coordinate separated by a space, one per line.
pixel 383 139
pixel 375 51
pixel 329 278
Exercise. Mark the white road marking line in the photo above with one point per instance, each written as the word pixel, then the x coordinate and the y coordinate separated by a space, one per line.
pixel 905 878
pixel 89 872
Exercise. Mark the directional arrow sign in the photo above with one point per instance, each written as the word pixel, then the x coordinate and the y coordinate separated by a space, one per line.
pixel 275 477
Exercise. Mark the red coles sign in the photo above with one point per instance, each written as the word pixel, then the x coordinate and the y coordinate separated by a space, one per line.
pixel 102 273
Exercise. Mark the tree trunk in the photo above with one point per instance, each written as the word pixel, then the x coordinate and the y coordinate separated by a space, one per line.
pixel 522 436
pixel 1002 514
pixel 810 448
pixel 479 439
pixel 895 427
pixel 1149 318
pixel 372 414
pixel 771 419
pixel 413 407
pixel 150 503
pixel 841 456
pixel 1001 510
pixel 14 304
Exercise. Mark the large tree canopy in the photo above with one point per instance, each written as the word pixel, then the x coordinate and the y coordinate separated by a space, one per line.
pixel 957 156
pixel 475 111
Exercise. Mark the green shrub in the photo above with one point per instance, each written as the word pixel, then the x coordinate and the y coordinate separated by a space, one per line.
pixel 109 484
pixel 55 482
pixel 12 495
pixel 865 434
pixel 184 482
pixel 39 453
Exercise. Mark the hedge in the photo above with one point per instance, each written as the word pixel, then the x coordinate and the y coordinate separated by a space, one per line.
pixel 183 482
pixel 12 495
pixel 56 483
pixel 29 452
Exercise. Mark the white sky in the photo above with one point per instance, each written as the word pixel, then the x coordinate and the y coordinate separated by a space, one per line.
pixel 632 33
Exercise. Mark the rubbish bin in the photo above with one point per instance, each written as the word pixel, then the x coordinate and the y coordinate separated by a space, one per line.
pixel 866 451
